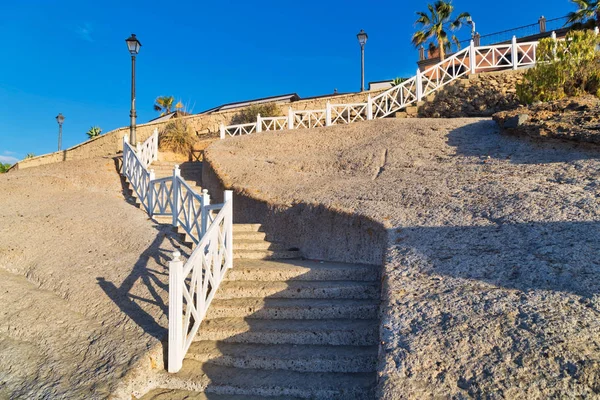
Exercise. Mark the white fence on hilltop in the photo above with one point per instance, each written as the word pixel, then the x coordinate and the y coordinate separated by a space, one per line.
pixel 192 285
pixel 470 60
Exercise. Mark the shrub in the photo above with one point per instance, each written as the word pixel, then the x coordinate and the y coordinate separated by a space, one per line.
pixel 29 155
pixel 177 137
pixel 94 131
pixel 248 115
pixel 4 168
pixel 564 68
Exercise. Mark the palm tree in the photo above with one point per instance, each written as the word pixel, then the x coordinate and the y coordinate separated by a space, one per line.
pixel 164 105
pixel 587 9
pixel 434 25
pixel 94 131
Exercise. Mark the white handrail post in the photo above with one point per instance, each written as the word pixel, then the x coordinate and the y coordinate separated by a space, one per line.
pixel 258 123
pixel 472 57
pixel 175 349
pixel 204 213
pixel 328 114
pixel 151 178
pixel 290 118
pixel 125 149
pixel 222 130
pixel 138 149
pixel 419 85
pixel 369 108
pixel 228 196
pixel 596 31
pixel 553 36
pixel 155 149
pixel 514 53
pixel 175 194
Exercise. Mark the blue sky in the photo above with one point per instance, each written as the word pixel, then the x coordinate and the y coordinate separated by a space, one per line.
pixel 70 56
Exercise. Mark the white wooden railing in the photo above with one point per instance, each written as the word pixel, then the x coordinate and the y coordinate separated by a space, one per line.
pixel 193 284
pixel 470 60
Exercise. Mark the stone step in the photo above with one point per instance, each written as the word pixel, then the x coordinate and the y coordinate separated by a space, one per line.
pixel 216 379
pixel 266 254
pixel 303 270
pixel 245 244
pixel 246 228
pixel 261 308
pixel 336 332
pixel 248 235
pixel 175 394
pixel 299 289
pixel 302 358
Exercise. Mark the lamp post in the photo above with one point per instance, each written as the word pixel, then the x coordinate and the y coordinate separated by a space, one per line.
pixel 362 39
pixel 60 119
pixel 133 45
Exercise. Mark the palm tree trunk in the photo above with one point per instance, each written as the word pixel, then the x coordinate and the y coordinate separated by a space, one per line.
pixel 441 49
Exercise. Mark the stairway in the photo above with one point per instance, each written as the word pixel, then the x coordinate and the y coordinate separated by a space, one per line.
pixel 190 171
pixel 278 329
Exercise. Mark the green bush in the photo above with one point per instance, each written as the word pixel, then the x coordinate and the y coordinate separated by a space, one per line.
pixel 94 131
pixel 4 168
pixel 564 68
pixel 248 115
pixel 177 137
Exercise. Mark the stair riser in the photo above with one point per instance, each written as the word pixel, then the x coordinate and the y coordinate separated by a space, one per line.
pixel 285 274
pixel 360 337
pixel 255 245
pixel 313 364
pixel 241 235
pixel 266 255
pixel 314 393
pixel 283 292
pixel 302 312
pixel 246 228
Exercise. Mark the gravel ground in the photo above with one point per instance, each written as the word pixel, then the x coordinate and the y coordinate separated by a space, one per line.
pixel 82 282
pixel 493 262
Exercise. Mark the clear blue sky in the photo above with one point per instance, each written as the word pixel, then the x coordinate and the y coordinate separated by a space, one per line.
pixel 70 56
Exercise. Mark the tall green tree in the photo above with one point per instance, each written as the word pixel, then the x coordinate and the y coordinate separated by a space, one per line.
pixel 588 9
pixel 436 23
pixel 166 104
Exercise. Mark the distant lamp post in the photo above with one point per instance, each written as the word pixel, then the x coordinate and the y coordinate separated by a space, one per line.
pixel 60 119
pixel 362 39
pixel 134 48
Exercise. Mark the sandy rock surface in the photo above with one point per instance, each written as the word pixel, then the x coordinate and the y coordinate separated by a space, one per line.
pixel 492 274
pixel 82 282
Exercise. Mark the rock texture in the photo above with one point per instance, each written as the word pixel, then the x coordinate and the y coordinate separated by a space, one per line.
pixel 576 119
pixel 491 280
pixel 82 284
pixel 479 95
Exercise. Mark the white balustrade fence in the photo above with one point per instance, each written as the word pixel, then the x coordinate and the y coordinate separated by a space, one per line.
pixel 192 286
pixel 470 60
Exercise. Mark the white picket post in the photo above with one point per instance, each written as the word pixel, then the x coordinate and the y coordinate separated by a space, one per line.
pixel 596 31
pixel 176 333
pixel 138 149
pixel 155 147
pixel 258 123
pixel 514 53
pixel 228 198
pixel 151 178
pixel 125 150
pixel 290 118
pixel 175 193
pixel 369 108
pixel 472 57
pixel 419 85
pixel 204 214
pixel 328 114
pixel 553 36
pixel 222 130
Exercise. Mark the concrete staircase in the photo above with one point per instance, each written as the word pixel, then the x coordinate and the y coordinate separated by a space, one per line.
pixel 190 171
pixel 284 329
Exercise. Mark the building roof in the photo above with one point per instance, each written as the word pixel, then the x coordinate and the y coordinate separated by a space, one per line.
pixel 272 99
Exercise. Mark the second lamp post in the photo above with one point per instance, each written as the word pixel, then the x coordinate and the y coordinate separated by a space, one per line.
pixel 134 47
pixel 362 39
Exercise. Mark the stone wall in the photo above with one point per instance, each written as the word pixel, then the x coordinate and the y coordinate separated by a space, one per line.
pixel 205 125
pixel 479 95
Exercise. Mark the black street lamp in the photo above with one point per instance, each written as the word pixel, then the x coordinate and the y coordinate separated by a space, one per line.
pixel 60 119
pixel 134 47
pixel 362 39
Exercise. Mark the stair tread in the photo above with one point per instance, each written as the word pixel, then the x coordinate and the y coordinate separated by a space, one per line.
pixel 288 325
pixel 177 394
pixel 298 289
pixel 275 302
pixel 275 380
pixel 286 351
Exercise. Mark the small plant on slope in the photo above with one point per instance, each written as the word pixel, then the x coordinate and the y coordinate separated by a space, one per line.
pixel 4 168
pixel 94 131
pixel 248 115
